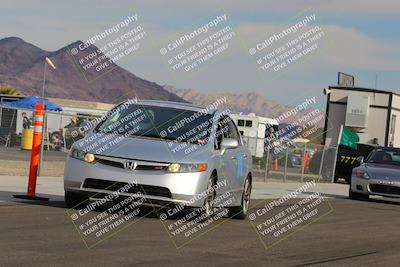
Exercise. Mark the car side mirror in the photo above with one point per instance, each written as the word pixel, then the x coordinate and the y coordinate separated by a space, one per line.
pixel 228 143
pixel 360 159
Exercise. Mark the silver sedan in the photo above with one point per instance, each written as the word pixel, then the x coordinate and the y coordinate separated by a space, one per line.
pixel 170 152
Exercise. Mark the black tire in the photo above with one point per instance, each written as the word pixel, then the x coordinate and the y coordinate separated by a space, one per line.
pixel 240 212
pixel 75 200
pixel 335 179
pixel 357 196
pixel 209 201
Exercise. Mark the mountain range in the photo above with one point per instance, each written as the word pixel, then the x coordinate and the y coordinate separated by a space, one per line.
pixel 250 102
pixel 22 63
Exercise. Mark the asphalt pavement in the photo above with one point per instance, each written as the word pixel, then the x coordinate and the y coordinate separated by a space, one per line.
pixel 351 233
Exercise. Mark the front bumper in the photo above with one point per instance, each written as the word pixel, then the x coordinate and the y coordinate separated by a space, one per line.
pixel 385 188
pixel 183 187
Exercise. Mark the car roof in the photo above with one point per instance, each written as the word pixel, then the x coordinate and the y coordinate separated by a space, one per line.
pixel 388 148
pixel 177 105
pixel 371 145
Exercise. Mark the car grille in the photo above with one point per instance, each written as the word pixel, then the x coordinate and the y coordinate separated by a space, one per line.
pixel 139 167
pixel 384 189
pixel 114 186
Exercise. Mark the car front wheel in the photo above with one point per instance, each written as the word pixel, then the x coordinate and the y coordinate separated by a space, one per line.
pixel 357 196
pixel 210 197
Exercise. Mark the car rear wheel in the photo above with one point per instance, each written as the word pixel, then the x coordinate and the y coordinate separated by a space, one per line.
pixel 75 200
pixel 357 196
pixel 241 211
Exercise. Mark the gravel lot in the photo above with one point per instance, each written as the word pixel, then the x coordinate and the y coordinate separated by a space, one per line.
pixel 21 168
pixel 15 162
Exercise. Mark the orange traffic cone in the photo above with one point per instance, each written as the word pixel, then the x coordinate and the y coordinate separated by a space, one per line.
pixel 306 157
pixel 35 155
pixel 276 167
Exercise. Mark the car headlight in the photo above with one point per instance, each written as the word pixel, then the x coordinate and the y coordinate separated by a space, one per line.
pixel 185 167
pixel 362 174
pixel 82 155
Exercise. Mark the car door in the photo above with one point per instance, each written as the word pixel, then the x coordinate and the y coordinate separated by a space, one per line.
pixel 232 162
pixel 236 160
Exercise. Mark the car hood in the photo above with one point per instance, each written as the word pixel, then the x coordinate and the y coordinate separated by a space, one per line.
pixel 381 171
pixel 143 148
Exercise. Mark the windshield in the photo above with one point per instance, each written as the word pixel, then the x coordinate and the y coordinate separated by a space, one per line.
pixel 158 122
pixel 385 156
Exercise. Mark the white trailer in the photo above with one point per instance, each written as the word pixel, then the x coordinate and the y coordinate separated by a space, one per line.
pixel 254 130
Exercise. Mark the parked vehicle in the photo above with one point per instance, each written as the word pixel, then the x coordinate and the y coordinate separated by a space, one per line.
pixel 256 131
pixel 345 162
pixel 378 174
pixel 293 161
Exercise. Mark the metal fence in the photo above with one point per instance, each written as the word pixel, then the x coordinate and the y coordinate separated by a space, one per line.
pixel 59 128
pixel 298 162
pixel 59 132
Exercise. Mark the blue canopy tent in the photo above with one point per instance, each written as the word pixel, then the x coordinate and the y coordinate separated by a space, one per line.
pixel 30 102
pixel 6 132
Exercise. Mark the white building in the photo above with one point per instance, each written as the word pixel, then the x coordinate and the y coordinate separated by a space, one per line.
pixel 373 114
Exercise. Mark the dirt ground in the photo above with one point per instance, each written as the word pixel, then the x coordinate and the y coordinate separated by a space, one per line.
pixel 15 162
pixel 21 168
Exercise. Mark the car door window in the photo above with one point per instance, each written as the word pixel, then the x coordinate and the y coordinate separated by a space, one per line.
pixel 226 129
pixel 232 131
pixel 221 133
pixel 218 137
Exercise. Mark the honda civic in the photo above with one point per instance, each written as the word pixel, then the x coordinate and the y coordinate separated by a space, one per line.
pixel 169 152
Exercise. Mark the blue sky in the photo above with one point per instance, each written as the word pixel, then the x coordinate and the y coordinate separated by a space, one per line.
pixel 362 37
